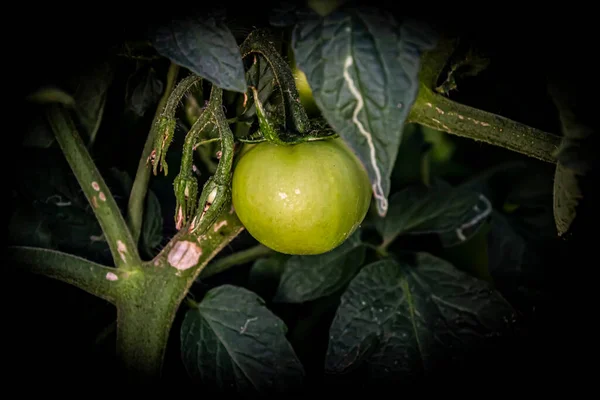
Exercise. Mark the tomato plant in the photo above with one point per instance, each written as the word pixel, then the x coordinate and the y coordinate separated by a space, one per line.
pixel 298 199
pixel 305 198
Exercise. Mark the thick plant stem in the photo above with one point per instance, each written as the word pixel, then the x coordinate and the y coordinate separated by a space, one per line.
pixel 238 258
pixel 148 303
pixel 122 246
pixel 143 325
pixel 135 208
pixel 441 113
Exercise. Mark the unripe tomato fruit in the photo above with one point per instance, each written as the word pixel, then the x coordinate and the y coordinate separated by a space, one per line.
pixel 305 198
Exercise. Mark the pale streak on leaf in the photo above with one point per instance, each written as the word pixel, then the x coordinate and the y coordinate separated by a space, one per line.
pixel 476 219
pixel 377 186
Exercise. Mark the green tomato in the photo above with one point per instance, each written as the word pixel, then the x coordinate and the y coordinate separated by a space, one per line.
pixel 306 198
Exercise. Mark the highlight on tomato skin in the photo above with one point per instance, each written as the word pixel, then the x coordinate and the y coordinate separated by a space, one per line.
pixel 301 199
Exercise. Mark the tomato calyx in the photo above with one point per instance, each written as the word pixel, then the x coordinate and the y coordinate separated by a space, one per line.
pixel 272 132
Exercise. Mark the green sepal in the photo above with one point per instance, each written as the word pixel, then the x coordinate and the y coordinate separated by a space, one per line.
pixel 165 127
pixel 267 128
pixel 186 193
pixel 212 201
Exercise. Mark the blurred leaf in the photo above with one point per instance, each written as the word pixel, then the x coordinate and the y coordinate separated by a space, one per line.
pixel 51 95
pixel 90 89
pixel 26 227
pixel 143 90
pixel 576 155
pixel 265 275
pixel 442 147
pixel 307 278
pixel 152 225
pixel 518 266
pixel 49 205
pixel 407 168
pixel 233 343
pixel 567 194
pixel 261 75
pixel 506 248
pixel 401 321
pixel 467 63
pixel 38 132
pixel 471 256
pixel 205 46
pixel 455 214
pixel 284 14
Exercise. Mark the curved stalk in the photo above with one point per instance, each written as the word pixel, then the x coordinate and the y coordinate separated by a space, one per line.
pixel 135 208
pixel 237 258
pixel 441 113
pixel 122 245
pixel 148 306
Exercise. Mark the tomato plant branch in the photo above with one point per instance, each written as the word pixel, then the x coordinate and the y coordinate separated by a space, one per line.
pixel 295 118
pixel 441 113
pixel 135 208
pixel 122 246
pixel 237 258
pixel 148 305
pixel 99 280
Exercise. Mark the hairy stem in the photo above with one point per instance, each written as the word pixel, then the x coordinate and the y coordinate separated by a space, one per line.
pixel 96 279
pixel 259 42
pixel 135 208
pixel 148 305
pixel 122 246
pixel 441 113
pixel 238 258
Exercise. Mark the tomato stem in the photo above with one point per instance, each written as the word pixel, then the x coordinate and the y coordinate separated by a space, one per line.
pixel 120 241
pixel 135 207
pixel 259 42
pixel 441 113
pixel 148 302
pixel 237 258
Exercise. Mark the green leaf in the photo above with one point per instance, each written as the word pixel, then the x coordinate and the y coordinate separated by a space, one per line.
pixel 506 248
pixel 307 278
pixel 232 342
pixel 143 90
pixel 261 76
pixel 38 132
pixel 152 226
pixel 567 195
pixel 402 321
pixel 455 214
pixel 205 46
pixel 283 14
pixel 362 67
pixel 49 204
pixel 576 155
pixel 407 169
pixel 90 90
pixel 265 274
